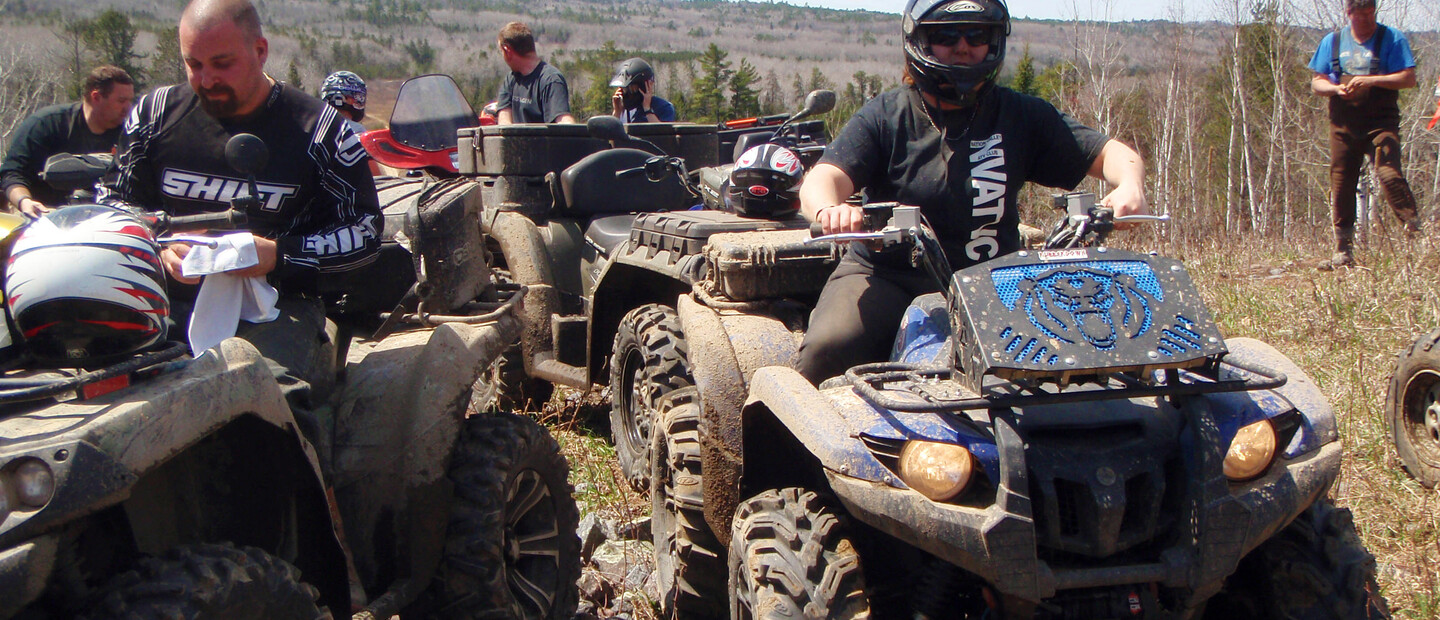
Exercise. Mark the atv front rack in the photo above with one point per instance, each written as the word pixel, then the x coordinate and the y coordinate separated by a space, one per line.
pixel 23 389
pixel 923 392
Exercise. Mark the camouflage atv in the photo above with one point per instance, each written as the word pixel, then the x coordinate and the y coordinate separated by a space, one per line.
pixel 165 485
pixel 597 222
pixel 1061 434
pixel 1412 408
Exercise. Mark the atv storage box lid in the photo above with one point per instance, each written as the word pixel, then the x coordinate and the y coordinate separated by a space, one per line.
pixel 748 259
pixel 535 149
pixel 750 266
pixel 684 233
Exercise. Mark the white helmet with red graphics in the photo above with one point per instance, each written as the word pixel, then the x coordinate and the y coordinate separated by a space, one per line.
pixel 85 287
pixel 765 182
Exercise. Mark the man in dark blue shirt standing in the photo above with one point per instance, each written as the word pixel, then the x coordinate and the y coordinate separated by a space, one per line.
pixel 1361 71
pixel 534 92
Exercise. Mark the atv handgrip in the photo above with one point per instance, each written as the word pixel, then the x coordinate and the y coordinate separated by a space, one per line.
pixel 866 377
pixel 816 229
pixel 162 222
pixel 229 219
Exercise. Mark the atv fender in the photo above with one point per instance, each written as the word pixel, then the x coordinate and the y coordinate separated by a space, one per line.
pixel 528 260
pixel 1300 389
pixel 206 453
pixel 725 351
pixel 397 424
pixel 624 283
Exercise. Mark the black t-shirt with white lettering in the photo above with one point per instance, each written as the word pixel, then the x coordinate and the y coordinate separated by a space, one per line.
pixel 893 151
pixel 318 199
pixel 538 97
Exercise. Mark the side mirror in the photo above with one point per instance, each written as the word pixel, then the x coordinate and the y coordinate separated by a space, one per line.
pixel 246 153
pixel 606 128
pixel 817 102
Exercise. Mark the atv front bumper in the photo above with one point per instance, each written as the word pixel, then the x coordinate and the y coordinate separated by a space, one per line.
pixel 998 542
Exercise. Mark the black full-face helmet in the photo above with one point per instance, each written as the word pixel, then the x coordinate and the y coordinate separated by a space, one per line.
pixel 632 72
pixel 954 84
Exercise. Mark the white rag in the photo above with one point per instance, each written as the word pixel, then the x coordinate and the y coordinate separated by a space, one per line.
pixel 226 299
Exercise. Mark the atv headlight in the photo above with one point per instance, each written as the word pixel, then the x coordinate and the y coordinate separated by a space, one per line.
pixel 1251 451
pixel 34 483
pixel 938 471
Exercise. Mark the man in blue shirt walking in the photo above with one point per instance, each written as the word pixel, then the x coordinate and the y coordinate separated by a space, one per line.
pixel 1361 70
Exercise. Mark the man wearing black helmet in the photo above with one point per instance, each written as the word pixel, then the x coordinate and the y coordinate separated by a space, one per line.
pixel 923 144
pixel 634 100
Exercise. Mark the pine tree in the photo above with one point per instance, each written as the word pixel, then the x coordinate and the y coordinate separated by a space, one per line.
pixel 772 99
pixel 715 73
pixel 1024 81
pixel 744 99
pixel 166 67
pixel 111 37
pixel 292 75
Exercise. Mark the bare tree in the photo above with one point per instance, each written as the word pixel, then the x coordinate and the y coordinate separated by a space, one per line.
pixel 26 83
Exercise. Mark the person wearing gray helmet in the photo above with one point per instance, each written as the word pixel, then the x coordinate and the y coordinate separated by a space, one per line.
pixel 635 100
pixel 954 143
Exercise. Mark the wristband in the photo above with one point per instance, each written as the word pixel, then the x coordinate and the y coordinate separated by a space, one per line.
pixel 648 111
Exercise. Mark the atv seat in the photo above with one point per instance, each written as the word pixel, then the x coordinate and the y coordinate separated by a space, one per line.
pixel 591 187
pixel 610 231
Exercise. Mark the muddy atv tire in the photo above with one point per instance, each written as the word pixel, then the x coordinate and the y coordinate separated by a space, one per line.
pixel 210 582
pixel 504 387
pixel 647 362
pixel 1314 569
pixel 1412 408
pixel 690 566
pixel 510 549
pixel 790 557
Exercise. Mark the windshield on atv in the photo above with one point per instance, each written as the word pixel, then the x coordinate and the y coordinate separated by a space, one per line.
pixel 428 111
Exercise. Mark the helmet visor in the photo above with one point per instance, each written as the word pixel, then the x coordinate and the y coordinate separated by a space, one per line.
pixel 951 34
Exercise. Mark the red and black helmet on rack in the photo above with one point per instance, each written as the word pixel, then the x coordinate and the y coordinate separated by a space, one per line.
pixel 765 183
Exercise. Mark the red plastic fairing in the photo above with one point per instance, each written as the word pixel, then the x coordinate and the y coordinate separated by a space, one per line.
pixel 384 149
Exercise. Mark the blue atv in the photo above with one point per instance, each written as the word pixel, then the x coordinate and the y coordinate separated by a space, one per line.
pixel 1061 433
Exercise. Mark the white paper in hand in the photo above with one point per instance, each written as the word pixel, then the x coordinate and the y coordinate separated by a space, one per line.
pixel 232 251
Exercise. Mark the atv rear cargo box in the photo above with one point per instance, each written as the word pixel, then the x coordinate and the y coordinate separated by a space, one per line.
pixel 533 150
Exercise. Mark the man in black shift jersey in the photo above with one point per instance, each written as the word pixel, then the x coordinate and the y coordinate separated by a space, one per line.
pixel 949 130
pixel 90 126
pixel 318 215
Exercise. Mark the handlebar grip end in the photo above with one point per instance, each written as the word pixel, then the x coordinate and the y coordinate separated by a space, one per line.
pixel 816 229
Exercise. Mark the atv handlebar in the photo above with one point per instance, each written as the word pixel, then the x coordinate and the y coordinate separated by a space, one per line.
pixel 1091 227
pixel 162 222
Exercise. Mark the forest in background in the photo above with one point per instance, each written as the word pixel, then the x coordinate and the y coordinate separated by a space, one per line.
pixel 1221 110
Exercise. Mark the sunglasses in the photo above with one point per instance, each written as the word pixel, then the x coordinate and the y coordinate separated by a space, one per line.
pixel 946 36
pixel 355 101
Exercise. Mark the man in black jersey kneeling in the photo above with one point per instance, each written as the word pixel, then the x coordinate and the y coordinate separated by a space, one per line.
pixel 317 216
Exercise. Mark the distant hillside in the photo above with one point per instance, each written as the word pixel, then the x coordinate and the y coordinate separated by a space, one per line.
pixel 396 38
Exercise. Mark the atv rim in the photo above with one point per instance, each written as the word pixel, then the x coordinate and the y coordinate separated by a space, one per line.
pixel 1421 417
pixel 634 402
pixel 532 544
